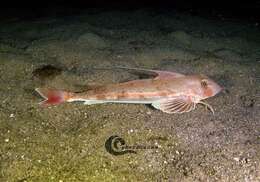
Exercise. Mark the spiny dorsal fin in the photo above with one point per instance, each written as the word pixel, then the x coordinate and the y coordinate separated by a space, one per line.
pixel 153 73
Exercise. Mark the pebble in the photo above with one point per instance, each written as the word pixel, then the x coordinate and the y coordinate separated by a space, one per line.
pixel 130 131
pixel 236 159
pixel 149 112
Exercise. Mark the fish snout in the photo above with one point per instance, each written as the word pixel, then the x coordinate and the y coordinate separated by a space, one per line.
pixel 216 88
pixel 225 90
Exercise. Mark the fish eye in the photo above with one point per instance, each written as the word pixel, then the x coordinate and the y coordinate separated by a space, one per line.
pixel 204 83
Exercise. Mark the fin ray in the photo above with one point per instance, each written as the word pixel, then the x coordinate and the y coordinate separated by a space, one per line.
pixel 151 73
pixel 91 102
pixel 174 105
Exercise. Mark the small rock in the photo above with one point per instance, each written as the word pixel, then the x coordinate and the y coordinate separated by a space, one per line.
pixel 236 159
pixel 149 112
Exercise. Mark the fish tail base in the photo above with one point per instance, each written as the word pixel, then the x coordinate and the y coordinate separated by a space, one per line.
pixel 52 96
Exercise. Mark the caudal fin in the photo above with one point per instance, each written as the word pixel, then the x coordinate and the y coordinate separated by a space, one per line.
pixel 52 97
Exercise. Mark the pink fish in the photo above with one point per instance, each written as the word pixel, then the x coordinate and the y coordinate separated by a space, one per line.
pixel 169 92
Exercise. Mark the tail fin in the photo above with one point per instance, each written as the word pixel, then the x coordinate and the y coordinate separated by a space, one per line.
pixel 52 97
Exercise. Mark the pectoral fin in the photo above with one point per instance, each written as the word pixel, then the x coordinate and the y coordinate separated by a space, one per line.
pixel 174 105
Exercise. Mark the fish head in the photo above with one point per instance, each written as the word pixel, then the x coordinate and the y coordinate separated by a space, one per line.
pixel 208 87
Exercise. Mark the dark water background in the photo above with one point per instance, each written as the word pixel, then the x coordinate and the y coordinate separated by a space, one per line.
pixel 58 44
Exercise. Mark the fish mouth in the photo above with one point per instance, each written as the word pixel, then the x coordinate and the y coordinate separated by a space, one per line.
pixel 223 91
pixel 218 89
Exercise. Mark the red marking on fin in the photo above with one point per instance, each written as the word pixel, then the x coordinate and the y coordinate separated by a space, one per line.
pixel 51 96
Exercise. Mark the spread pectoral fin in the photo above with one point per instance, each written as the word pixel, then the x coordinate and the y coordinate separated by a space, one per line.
pixel 174 105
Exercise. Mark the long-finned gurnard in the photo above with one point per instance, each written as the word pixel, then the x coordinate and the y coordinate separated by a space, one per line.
pixel 169 92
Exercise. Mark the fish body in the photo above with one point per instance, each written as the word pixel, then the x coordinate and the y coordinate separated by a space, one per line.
pixel 169 92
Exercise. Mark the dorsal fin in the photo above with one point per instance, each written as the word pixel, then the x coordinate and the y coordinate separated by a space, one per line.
pixel 167 74
pixel 153 73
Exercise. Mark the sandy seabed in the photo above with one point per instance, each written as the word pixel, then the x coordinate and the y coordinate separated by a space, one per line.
pixel 67 142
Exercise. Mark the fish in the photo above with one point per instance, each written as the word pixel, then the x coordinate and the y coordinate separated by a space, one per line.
pixel 168 91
